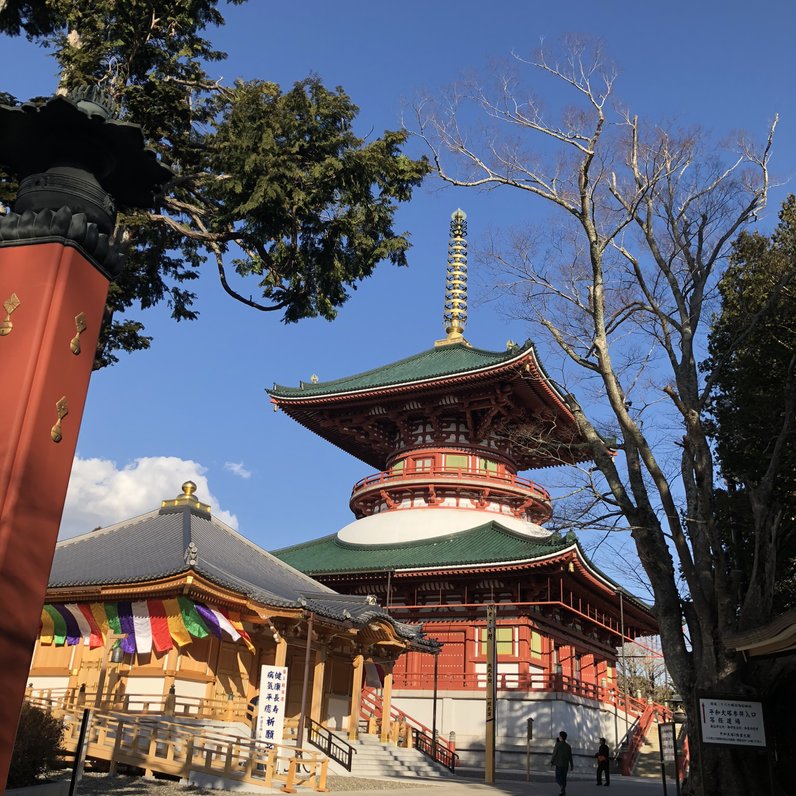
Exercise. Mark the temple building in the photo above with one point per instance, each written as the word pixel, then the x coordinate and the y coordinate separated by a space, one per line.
pixel 447 525
pixel 173 612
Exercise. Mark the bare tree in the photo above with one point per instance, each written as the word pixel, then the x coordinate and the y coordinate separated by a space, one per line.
pixel 622 289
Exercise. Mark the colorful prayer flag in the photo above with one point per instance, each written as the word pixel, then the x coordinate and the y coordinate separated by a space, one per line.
pixel 59 626
pixel 143 628
pixel 161 637
pixel 209 619
pixel 193 621
pixel 96 639
pixel 125 610
pixel 177 629
pixel 47 632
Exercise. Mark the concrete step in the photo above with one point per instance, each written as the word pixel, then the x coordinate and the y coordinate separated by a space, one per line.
pixel 648 764
pixel 373 759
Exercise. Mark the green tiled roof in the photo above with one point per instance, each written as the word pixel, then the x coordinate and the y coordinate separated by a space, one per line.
pixel 447 360
pixel 481 545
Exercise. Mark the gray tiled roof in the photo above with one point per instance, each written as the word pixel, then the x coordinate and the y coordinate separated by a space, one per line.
pixel 160 544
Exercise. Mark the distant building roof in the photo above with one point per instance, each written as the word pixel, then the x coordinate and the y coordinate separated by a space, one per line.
pixel 183 537
pixel 778 636
pixel 488 543
pixel 490 546
pixel 458 359
pixel 451 373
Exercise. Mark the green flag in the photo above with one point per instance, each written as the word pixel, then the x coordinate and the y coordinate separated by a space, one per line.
pixel 190 617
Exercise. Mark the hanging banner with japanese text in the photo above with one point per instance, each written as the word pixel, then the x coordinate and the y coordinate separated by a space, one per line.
pixel 271 704
pixel 732 721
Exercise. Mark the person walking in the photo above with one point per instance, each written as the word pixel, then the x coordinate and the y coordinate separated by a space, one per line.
pixel 603 759
pixel 562 760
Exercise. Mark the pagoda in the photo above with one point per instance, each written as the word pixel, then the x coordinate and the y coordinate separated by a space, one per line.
pixel 447 525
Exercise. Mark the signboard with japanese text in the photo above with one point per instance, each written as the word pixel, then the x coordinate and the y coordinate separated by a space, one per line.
pixel 734 722
pixel 666 734
pixel 271 704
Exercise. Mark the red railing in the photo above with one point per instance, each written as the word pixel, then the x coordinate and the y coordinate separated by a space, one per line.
pixel 558 597
pixel 684 759
pixel 630 754
pixel 528 682
pixel 372 705
pixel 462 474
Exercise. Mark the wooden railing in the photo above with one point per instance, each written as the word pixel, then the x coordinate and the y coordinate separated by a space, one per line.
pixel 236 709
pixel 179 749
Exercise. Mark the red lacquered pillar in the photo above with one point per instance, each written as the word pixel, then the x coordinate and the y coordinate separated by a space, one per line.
pixel 52 299
pixel 57 253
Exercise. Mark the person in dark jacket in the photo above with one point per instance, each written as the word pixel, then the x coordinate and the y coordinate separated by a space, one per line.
pixel 603 759
pixel 562 760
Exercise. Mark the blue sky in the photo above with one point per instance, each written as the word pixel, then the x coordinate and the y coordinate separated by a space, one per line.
pixel 194 405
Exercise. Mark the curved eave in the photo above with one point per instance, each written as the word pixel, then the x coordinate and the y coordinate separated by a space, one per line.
pixel 573 553
pixel 195 585
pixel 285 397
pixel 188 583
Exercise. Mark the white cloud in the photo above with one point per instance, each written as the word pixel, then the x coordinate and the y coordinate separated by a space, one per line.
pixel 237 468
pixel 101 494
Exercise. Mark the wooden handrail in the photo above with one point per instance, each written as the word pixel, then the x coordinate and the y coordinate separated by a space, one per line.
pixel 165 745
pixel 334 747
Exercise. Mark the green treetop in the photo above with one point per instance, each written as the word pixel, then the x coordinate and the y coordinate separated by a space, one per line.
pixel 274 185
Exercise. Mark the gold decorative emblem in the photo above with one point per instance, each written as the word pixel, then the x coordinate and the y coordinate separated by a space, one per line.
pixel 62 410
pixel 80 326
pixel 10 304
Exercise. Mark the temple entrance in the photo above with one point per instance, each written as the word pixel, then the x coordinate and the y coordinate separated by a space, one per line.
pixel 233 672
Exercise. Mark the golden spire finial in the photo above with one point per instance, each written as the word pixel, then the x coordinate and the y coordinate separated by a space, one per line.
pixel 187 498
pixel 456 281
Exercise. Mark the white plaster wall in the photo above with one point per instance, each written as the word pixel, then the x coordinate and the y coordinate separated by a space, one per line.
pixel 145 687
pixel 57 685
pixel 584 720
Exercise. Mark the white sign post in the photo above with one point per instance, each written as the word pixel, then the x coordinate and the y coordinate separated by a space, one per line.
pixel 667 736
pixel 271 704
pixel 732 722
pixel 668 743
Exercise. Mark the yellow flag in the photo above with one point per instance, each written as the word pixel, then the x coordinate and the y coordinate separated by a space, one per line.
pixel 47 628
pixel 177 627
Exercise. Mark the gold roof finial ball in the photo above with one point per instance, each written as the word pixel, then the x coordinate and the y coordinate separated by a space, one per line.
pixel 188 488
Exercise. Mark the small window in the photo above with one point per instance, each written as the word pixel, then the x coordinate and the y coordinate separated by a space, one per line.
pixel 487 466
pixel 504 640
pixel 423 465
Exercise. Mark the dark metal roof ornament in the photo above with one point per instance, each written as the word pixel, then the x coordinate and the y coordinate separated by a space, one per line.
pixel 70 154
pixel 191 555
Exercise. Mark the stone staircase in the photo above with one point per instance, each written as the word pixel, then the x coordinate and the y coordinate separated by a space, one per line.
pixel 374 759
pixel 648 763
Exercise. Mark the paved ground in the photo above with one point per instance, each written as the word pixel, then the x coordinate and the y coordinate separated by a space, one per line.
pixel 539 786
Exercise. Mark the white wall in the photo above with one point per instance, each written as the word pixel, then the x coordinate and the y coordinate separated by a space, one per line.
pixel 584 720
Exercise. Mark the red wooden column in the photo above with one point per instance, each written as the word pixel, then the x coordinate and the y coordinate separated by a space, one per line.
pixel 57 254
pixel 52 300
